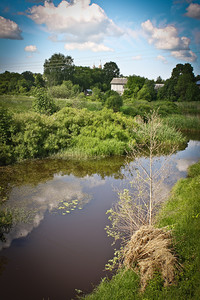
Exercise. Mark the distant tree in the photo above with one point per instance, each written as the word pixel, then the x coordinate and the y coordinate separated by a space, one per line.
pixel 181 86
pixel 133 86
pixel 39 80
pixel 186 89
pixel 28 76
pixel 58 68
pixel 159 79
pixel 147 92
pixel 83 77
pixel 110 71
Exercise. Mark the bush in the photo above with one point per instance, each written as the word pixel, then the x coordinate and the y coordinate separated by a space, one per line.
pixel 6 129
pixel 114 102
pixel 43 103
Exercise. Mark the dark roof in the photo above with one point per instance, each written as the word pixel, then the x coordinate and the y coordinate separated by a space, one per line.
pixel 121 81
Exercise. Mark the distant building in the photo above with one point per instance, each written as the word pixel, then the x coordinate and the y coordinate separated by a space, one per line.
pixel 117 85
pixel 198 83
pixel 158 86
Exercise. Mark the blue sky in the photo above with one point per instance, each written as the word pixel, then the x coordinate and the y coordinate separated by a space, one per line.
pixel 146 38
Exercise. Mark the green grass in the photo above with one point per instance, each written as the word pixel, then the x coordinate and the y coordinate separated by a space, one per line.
pixel 22 103
pixel 16 103
pixel 183 123
pixel 189 107
pixel 181 213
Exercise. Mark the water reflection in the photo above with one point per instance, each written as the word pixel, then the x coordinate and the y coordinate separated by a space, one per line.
pixel 67 250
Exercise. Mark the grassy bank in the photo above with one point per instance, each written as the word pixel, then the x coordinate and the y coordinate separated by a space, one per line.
pixel 181 213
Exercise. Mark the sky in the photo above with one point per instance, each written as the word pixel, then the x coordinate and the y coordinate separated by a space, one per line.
pixel 145 38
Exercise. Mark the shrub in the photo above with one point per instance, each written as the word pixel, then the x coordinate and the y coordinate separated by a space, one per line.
pixel 43 103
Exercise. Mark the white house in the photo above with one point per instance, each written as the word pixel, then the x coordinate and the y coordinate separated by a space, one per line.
pixel 117 84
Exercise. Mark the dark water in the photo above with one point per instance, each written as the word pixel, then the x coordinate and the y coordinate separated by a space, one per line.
pixel 58 243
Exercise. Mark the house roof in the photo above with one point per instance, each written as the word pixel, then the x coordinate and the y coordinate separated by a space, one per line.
pixel 158 85
pixel 198 82
pixel 121 81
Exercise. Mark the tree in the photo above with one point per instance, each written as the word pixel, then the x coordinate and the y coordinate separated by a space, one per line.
pixel 83 77
pixel 181 86
pixel 147 92
pixel 58 68
pixel 39 80
pixel 133 86
pixel 139 203
pixel 186 89
pixel 110 71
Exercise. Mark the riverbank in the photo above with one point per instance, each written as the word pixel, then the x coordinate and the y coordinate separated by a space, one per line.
pixel 180 214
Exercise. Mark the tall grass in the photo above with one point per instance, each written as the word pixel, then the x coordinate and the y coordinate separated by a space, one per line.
pixel 183 123
pixel 16 103
pixel 189 107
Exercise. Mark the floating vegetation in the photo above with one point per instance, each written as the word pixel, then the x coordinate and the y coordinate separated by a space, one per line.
pixel 68 206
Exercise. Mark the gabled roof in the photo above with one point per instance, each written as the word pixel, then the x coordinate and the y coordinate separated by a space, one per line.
pixel 121 81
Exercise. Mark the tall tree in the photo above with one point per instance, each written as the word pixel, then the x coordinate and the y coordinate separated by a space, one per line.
pixel 110 71
pixel 58 68
pixel 181 86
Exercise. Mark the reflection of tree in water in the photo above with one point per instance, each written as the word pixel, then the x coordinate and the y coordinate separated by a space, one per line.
pixel 34 172
pixel 5 223
pixel 3 262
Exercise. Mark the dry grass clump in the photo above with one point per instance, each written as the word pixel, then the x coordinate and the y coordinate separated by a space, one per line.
pixel 149 251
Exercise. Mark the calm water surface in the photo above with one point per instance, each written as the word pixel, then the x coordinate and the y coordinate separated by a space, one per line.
pixel 58 242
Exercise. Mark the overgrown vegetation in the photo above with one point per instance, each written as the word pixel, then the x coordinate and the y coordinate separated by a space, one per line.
pixel 180 214
pixel 70 132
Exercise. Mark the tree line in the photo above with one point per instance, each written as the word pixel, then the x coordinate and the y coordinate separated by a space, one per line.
pixel 65 80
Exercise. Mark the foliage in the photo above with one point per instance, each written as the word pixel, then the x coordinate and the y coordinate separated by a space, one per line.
pixel 65 90
pixel 181 86
pixel 110 71
pixel 184 123
pixel 58 68
pixel 142 107
pixel 114 102
pixel 15 83
pixel 43 103
pixel 133 86
pixel 70 131
pixel 147 92
pixel 6 128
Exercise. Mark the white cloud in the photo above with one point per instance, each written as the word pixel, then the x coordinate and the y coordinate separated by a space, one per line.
pixel 9 30
pixel 167 38
pixel 75 22
pixel 186 55
pixel 138 57
pixel 193 11
pixel 30 48
pixel 87 46
pixel 162 58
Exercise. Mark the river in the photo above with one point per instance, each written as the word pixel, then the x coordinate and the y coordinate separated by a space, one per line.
pixel 58 243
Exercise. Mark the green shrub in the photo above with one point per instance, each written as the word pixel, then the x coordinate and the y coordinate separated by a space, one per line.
pixel 6 129
pixel 43 103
